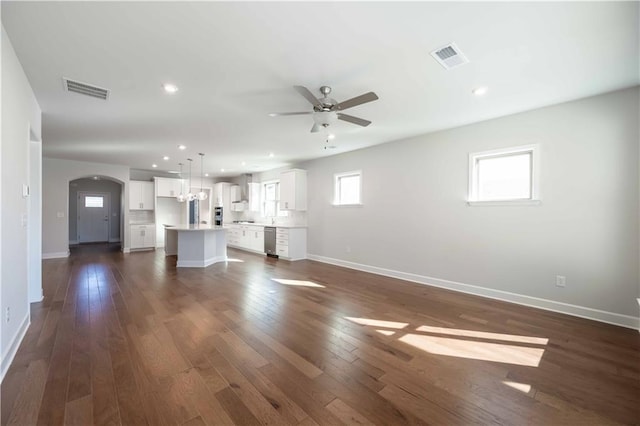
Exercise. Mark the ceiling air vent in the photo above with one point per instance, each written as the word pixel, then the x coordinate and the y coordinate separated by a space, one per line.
pixel 85 89
pixel 449 56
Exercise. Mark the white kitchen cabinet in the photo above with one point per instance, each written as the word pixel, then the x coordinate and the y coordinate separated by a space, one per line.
pixel 236 193
pixel 168 187
pixel 141 195
pixel 247 237
pixel 222 195
pixel 293 190
pixel 291 243
pixel 256 239
pixel 143 236
pixel 233 235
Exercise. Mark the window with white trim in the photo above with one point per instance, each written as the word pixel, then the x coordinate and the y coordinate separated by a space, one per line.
pixel 348 188
pixel 271 199
pixel 507 175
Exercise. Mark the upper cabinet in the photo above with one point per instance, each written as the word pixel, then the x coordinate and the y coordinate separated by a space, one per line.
pixel 141 195
pixel 236 193
pixel 168 187
pixel 222 195
pixel 293 190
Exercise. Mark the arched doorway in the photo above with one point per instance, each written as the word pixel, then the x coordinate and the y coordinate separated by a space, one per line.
pixel 96 211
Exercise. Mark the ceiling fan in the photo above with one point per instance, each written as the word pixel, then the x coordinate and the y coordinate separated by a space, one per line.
pixel 327 110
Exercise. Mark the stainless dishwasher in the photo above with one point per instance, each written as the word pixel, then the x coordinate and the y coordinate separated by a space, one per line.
pixel 270 241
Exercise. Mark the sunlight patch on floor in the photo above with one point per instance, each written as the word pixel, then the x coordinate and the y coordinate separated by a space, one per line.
pixel 470 344
pixel 522 387
pixel 484 335
pixel 298 283
pixel 235 260
pixel 471 349
pixel 377 323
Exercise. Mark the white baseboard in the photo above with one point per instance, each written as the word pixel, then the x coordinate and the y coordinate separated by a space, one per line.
pixel 10 353
pixel 73 242
pixel 126 250
pixel 55 255
pixel 198 263
pixel 548 305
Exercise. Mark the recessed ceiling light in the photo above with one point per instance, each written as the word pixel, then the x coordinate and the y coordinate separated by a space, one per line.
pixel 222 170
pixel 206 174
pixel 174 172
pixel 165 158
pixel 479 91
pixel 331 136
pixel 244 163
pixel 271 155
pixel 96 178
pixel 170 88
pixel 154 165
pixel 182 147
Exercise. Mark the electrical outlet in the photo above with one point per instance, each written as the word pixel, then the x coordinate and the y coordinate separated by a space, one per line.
pixel 561 281
pixel 7 316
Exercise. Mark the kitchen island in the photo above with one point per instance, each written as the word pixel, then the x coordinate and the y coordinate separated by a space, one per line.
pixel 197 246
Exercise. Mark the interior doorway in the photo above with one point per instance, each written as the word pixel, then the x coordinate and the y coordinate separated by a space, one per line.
pixel 93 217
pixel 95 210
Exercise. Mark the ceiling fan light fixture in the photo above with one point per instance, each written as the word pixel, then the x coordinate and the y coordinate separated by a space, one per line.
pixel 324 118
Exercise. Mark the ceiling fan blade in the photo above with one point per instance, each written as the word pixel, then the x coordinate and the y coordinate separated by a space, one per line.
pixel 358 100
pixel 355 120
pixel 278 114
pixel 315 128
pixel 308 96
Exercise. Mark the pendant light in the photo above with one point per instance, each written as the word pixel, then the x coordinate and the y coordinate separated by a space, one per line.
pixel 201 195
pixel 190 195
pixel 181 197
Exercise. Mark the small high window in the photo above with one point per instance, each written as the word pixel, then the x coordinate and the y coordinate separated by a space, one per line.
pixel 504 176
pixel 348 188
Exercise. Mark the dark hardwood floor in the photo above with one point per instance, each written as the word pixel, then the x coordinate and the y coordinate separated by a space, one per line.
pixel 130 339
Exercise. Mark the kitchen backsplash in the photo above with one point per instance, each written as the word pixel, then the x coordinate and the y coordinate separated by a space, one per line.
pixel 141 216
pixel 294 218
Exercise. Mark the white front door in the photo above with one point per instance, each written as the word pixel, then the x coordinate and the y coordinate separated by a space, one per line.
pixel 93 217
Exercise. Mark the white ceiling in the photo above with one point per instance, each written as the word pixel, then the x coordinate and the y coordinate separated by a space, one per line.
pixel 236 62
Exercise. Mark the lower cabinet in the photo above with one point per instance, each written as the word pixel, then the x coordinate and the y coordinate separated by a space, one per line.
pixel 143 236
pixel 291 243
pixel 248 237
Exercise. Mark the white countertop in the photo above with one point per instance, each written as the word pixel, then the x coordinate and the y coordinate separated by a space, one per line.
pixel 195 228
pixel 277 225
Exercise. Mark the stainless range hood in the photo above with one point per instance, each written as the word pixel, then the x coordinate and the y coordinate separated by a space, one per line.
pixel 249 194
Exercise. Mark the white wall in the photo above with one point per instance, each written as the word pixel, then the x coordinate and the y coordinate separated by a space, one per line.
pixel 114 189
pixel 20 116
pixel 415 219
pixel 56 175
pixel 35 221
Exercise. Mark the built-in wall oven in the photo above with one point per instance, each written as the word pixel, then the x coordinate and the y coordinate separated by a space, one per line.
pixel 217 216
